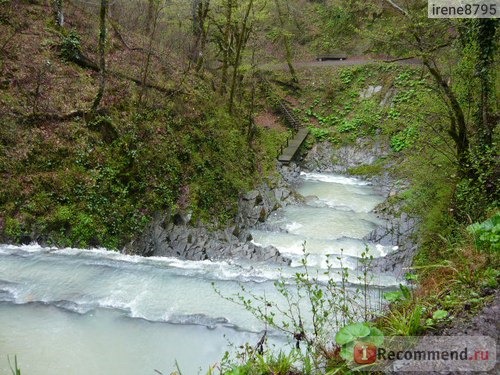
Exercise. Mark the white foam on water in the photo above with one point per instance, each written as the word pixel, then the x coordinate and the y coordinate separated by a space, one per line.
pixel 381 249
pixel 334 178
pixel 159 289
pixel 293 226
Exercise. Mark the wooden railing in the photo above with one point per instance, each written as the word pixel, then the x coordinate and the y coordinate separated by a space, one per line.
pixel 299 133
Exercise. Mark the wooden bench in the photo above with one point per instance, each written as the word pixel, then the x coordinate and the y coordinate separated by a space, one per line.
pixel 338 56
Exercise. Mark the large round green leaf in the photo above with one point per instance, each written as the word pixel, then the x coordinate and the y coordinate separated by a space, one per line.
pixel 352 332
pixel 376 337
pixel 347 352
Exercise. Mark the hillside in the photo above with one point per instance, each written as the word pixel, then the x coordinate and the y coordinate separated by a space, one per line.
pixel 119 120
pixel 72 177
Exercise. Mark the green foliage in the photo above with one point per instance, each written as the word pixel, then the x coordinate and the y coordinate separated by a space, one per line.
pixel 404 139
pixel 404 96
pixel 83 230
pixel 319 134
pixel 14 369
pixel 352 332
pixel 411 277
pixel 13 228
pixel 490 278
pixel 405 79
pixel 98 183
pixel 71 46
pixel 347 75
pixel 261 364
pixel 437 317
pixel 347 337
pixel 471 200
pixel 312 310
pixel 368 170
pixel 404 321
pixel 477 193
pixel 487 233
pixel 349 125
pixel 403 294
pixel 336 23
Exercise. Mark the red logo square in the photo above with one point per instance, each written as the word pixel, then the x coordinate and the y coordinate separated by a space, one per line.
pixel 365 353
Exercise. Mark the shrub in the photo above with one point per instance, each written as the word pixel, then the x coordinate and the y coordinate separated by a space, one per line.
pixel 320 134
pixel 487 233
pixel 13 228
pixel 315 309
pixel 71 46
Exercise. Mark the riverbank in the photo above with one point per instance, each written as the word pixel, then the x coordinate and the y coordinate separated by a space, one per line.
pixel 176 235
pixel 124 297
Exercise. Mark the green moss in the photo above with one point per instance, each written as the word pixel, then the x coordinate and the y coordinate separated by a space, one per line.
pixel 368 170
pixel 99 182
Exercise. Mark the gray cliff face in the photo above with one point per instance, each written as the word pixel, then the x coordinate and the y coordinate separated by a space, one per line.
pixel 174 235
pixel 324 157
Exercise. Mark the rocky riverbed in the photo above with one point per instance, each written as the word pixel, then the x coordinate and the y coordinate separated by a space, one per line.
pixel 174 234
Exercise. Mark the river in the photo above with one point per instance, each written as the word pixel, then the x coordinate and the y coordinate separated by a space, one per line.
pixel 73 311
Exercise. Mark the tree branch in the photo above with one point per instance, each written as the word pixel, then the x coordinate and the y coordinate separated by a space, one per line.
pixel 397 7
pixel 400 59
pixel 84 62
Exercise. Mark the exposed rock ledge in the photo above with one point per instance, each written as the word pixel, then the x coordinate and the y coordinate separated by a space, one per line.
pixel 173 234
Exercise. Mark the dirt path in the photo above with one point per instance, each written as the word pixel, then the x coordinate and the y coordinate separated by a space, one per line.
pixel 350 61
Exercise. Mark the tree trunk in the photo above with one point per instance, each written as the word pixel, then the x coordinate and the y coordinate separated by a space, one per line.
pixel 196 9
pixel 102 54
pixel 458 126
pixel 286 42
pixel 150 49
pixel 486 119
pixel 200 9
pixel 149 16
pixel 241 40
pixel 58 12
pixel 227 44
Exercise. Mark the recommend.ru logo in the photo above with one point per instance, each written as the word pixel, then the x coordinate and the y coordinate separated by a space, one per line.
pixel 425 354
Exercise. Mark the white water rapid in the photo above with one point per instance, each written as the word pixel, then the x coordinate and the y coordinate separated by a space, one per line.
pixel 72 311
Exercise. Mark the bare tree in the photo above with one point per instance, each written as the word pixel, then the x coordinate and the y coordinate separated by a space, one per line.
pixel 286 37
pixel 242 34
pixel 227 43
pixel 149 53
pixel 102 54
pixel 152 5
